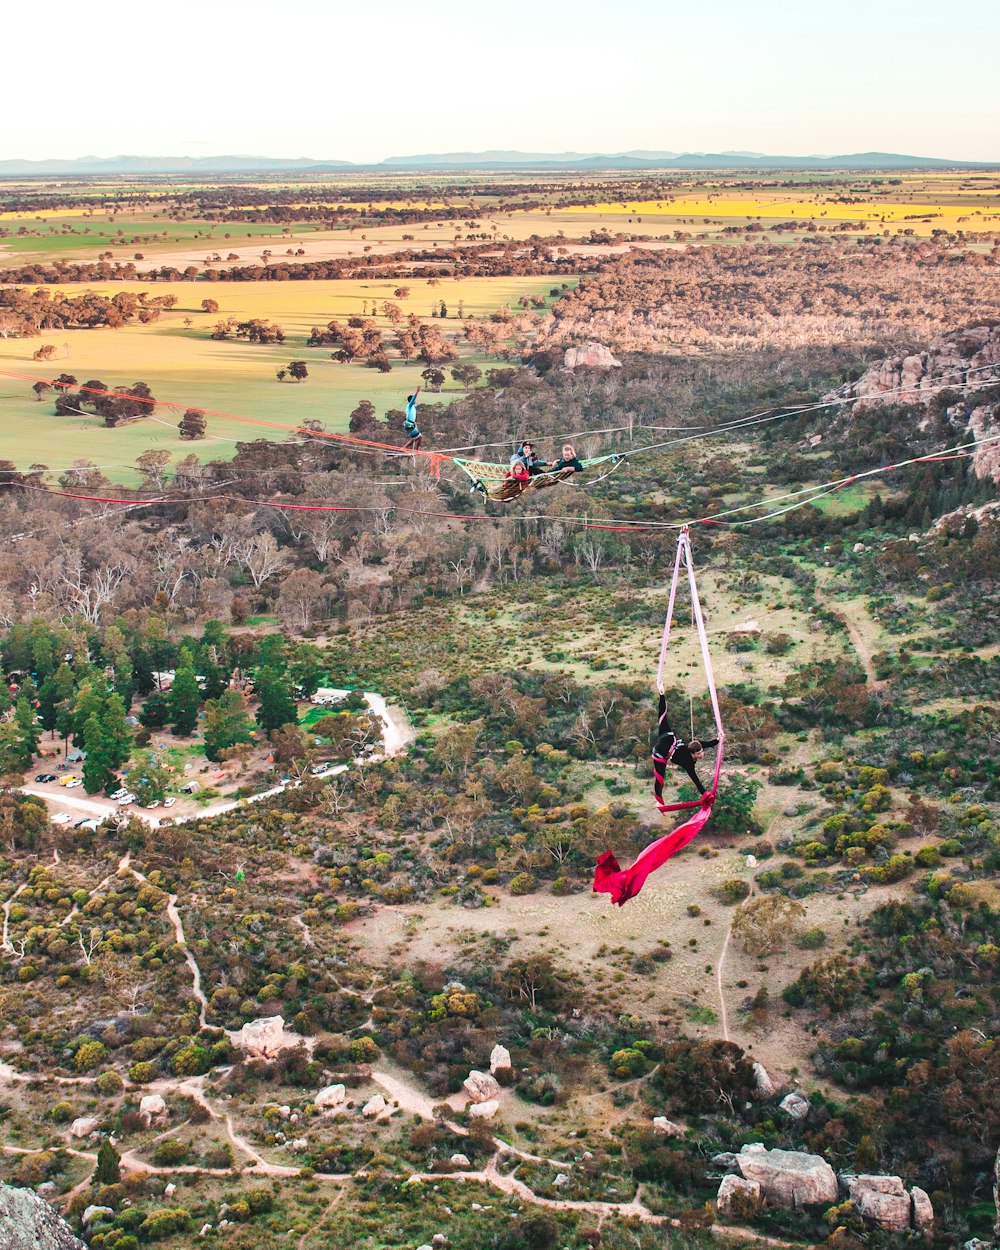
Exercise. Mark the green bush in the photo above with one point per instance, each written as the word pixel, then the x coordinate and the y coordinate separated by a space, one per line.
pixel 142 1072
pixel 170 1152
pixel 734 890
pixel 109 1083
pixel 61 1113
pixel 629 1062
pixel 364 1050
pixel 523 883
pixel 90 1055
pixel 812 939
pixel 192 1060
pixel 164 1223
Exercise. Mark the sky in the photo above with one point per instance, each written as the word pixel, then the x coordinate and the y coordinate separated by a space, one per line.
pixel 361 82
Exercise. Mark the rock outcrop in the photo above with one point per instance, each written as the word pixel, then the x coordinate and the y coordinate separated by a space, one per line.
pixel 590 356
pixel 29 1223
pixel 373 1107
pixel 265 1037
pixel 738 1198
pixel 923 1212
pixel 499 1059
pixel 763 1084
pixel 484 1110
pixel 151 1106
pixel 882 1200
pixel 667 1127
pixel 952 359
pixel 332 1096
pixel 796 1106
pixel 84 1125
pixel 788 1178
pixel 481 1087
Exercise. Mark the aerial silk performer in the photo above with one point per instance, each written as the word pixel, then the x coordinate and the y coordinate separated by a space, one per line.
pixel 624 883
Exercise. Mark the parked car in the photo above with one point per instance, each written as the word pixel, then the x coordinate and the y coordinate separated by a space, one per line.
pixel 61 818
pixel 65 781
pixel 317 769
pixel 117 794
pixel 126 799
pixel 169 801
pixel 89 823
pixel 45 777
pixel 73 783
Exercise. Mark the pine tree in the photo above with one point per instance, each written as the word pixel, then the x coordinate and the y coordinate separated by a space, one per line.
pixel 226 723
pixel 96 767
pixel 27 723
pixel 117 734
pixel 108 1165
pixel 184 700
pixel 57 690
pixel 277 707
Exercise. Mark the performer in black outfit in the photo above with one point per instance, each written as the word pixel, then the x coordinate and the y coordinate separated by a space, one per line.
pixel 669 749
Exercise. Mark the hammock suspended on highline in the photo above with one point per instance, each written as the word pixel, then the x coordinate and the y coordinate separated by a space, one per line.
pixel 623 884
pixel 496 481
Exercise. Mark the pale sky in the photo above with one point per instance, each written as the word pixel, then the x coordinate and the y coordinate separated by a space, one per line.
pixel 376 78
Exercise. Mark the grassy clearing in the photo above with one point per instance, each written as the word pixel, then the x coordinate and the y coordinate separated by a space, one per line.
pixel 184 366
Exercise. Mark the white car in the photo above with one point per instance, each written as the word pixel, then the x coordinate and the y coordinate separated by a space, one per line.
pixel 61 818
pixel 126 799
pixel 72 785
pixel 169 801
pixel 118 793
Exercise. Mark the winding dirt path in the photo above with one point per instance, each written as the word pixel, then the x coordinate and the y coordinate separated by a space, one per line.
pixel 5 944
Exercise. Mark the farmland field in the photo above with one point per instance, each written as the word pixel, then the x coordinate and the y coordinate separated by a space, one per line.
pixel 184 366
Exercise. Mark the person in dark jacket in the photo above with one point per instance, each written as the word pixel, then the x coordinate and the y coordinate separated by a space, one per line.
pixel 670 749
pixel 526 455
pixel 568 460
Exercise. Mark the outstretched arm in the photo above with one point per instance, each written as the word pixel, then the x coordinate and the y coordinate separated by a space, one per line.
pixel 709 742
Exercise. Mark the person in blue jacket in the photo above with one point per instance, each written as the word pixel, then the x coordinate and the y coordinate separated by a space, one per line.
pixel 410 427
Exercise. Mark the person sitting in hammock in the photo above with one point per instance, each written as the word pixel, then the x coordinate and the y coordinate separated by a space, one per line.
pixel 524 462
pixel 670 749
pixel 568 461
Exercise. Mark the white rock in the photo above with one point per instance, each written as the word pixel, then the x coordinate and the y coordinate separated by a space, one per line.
pixel 205 1230
pixel 754 1148
pixel 762 1082
pixel 84 1126
pixel 560 1180
pixel 735 1195
pixel 332 1096
pixel 266 1036
pixel 285 1112
pixel 923 1211
pixel 592 356
pixel 150 1107
pixel 93 1212
pixel 374 1106
pixel 416 1180
pixel 460 1161
pixel 484 1110
pixel 299 1143
pixel 751 861
pixel 169 1190
pixel 667 1127
pixel 499 1058
pixel 858 548
pixel 481 1087
pixel 882 1200
pixel 425 1246
pixel 796 1106
pixel 789 1178
pixel 439 1239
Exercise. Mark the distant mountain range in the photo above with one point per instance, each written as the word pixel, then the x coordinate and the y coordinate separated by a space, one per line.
pixel 489 160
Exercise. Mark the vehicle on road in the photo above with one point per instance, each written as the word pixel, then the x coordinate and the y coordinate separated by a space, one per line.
pixel 318 769
pixel 42 778
pixel 61 818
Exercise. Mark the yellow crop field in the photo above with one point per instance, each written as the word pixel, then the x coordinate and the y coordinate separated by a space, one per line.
pixel 184 366
pixel 923 217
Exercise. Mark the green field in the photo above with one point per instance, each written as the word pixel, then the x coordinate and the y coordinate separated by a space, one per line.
pixel 185 367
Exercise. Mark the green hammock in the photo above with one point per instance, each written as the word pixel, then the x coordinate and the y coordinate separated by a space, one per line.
pixel 496 481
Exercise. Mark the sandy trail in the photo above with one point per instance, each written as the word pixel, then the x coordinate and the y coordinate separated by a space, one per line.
pixel 5 944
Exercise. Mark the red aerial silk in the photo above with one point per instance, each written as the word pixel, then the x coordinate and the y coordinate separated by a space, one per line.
pixel 609 877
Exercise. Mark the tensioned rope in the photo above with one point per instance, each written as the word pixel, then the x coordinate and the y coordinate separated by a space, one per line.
pixel 623 884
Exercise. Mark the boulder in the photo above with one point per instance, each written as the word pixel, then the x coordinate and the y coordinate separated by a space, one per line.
pixel 726 1160
pixel 484 1110
pixel 332 1096
pixel 561 1179
pixel 751 861
pixel 788 1178
pixel 265 1037
pixel 796 1106
pixel 738 1198
pixel 590 356
pixel 667 1127
pixel 481 1087
pixel 300 1143
pixel 499 1058
pixel 150 1107
pixel 460 1161
pixel 205 1230
pixel 169 1190
pixel 762 1082
pixel 27 1222
pixel 373 1107
pixel 882 1201
pixel 923 1212
pixel 84 1125
pixel 93 1212
pixel 439 1239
